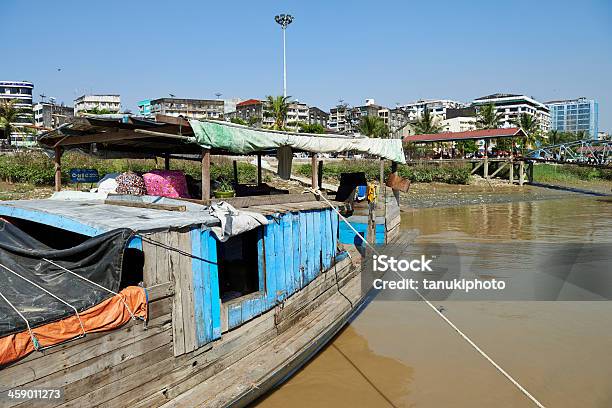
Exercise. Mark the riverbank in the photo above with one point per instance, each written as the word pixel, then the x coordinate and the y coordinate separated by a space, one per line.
pixel 481 191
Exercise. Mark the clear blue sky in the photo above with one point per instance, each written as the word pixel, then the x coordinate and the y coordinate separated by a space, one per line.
pixel 391 51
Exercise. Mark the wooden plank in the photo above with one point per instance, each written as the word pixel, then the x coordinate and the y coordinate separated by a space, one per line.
pixel 288 249
pixel 160 291
pixel 205 174
pixel 303 249
pixel 310 246
pixel 150 206
pixel 57 159
pixel 279 261
pixel 297 248
pixel 105 369
pixel 317 235
pixel 183 242
pixel 215 295
pixel 177 308
pixel 241 202
pixel 39 365
pixel 270 265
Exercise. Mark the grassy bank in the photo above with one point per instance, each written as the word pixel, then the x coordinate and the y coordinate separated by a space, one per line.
pixel 549 173
pixel 419 173
pixel 37 169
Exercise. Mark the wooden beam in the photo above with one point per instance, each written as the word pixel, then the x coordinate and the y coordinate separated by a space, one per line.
pixel 511 175
pixel 149 133
pixel 101 138
pixel 151 206
pixel 172 120
pixel 521 172
pixel 259 179
pixel 313 179
pixel 58 168
pixel 235 165
pixel 320 173
pixel 167 161
pixel 205 174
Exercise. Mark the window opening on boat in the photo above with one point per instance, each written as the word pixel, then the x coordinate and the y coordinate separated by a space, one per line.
pixel 53 237
pixel 239 265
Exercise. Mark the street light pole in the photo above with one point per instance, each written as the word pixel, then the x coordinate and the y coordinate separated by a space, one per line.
pixel 284 20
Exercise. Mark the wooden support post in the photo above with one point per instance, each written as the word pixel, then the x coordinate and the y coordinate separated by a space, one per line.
pixel 167 161
pixel 58 168
pixel 205 174
pixel 521 172
pixel 396 193
pixel 320 173
pixel 530 172
pixel 382 192
pixel 259 180
pixel 313 179
pixel 486 159
pixel 511 176
pixel 235 164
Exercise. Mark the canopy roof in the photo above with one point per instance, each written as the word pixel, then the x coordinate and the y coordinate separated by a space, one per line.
pixel 468 135
pixel 133 137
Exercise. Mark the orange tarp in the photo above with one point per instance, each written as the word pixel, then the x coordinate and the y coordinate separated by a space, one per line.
pixel 107 315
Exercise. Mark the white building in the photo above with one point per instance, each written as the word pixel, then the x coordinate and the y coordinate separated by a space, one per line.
pixel 48 115
pixel 436 107
pixel 21 93
pixel 460 120
pixel 296 113
pixel 110 103
pixel 511 106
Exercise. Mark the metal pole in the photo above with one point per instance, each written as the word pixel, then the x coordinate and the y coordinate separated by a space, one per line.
pixel 284 66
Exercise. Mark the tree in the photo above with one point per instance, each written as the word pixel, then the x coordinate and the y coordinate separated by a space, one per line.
pixel 487 117
pixel 238 121
pixel 10 114
pixel 373 126
pixel 553 137
pixel 312 128
pixel 427 124
pixel 468 146
pixel 530 126
pixel 277 107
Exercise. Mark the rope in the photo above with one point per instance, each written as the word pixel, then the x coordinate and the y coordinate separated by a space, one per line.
pixel 94 283
pixel 49 293
pixel 451 324
pixel 34 339
pixel 171 248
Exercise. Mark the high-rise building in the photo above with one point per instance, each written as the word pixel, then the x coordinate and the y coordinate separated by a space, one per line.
pixel 48 115
pixel 21 93
pixel 575 115
pixel 188 108
pixel 103 103
pixel 340 119
pixel 511 106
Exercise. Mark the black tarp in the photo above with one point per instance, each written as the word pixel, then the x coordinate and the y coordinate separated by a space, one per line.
pixel 98 259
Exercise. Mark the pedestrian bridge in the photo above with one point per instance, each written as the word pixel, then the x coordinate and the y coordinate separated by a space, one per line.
pixel 587 152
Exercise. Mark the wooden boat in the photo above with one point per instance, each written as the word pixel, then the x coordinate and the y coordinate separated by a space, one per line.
pixel 221 329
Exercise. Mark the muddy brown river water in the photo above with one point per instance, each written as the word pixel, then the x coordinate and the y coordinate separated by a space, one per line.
pixel 400 354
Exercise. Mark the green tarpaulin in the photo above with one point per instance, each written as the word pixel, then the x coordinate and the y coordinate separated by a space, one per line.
pixel 244 140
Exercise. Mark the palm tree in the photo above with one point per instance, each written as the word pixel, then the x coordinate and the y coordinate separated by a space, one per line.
pixel 554 137
pixel 427 124
pixel 530 126
pixel 487 117
pixel 277 107
pixel 373 126
pixel 9 114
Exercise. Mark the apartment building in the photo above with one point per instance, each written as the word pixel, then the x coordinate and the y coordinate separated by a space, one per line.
pixel 460 120
pixel 511 106
pixel 107 102
pixel 396 120
pixel 340 119
pixel 21 93
pixel 188 108
pixel 316 115
pixel 436 107
pixel 296 113
pixel 49 115
pixel 575 115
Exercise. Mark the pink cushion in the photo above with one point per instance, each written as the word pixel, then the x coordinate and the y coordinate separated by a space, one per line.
pixel 166 183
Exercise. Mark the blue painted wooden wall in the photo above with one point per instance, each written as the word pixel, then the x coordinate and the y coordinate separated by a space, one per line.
pixel 295 248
